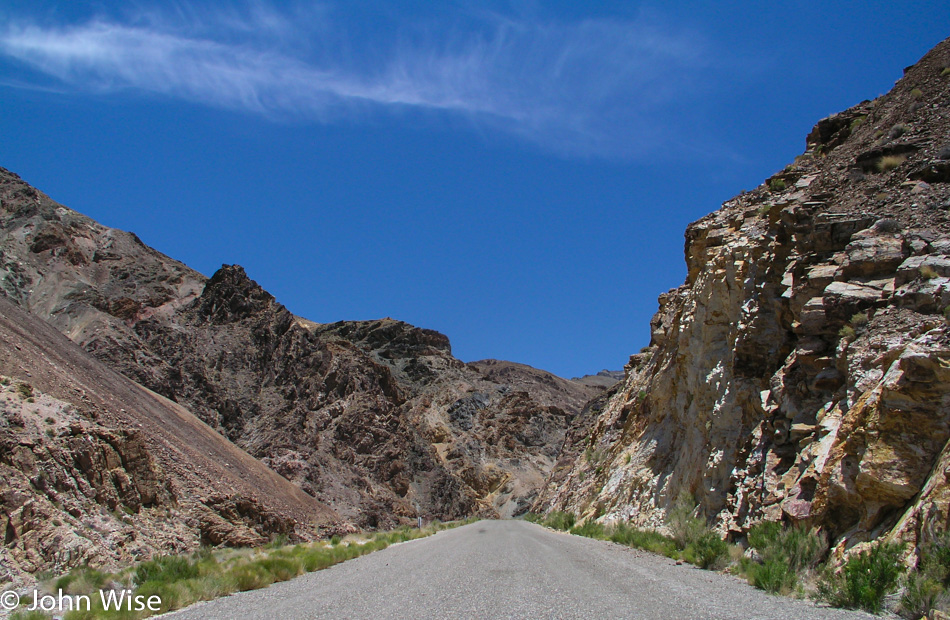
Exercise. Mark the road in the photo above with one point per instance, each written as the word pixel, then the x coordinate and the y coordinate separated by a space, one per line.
pixel 510 569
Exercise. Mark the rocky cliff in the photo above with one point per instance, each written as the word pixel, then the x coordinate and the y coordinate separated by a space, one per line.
pixel 802 371
pixel 98 471
pixel 375 418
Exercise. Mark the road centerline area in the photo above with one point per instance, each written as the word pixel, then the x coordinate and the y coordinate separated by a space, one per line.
pixel 510 569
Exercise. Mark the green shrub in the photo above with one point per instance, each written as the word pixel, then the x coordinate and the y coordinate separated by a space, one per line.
pixel 278 541
pixel 865 579
pixel 335 540
pixel 920 596
pixel 777 185
pixel 684 527
pixel 648 540
pixel 935 559
pixel 283 569
pixel 83 581
pixel 533 517
pixel 927 272
pixel 859 320
pixel 785 555
pixel 250 577
pixel 801 548
pixel 858 122
pixel 590 529
pixel 773 576
pixel 707 551
pixel 559 520
pixel 764 534
pixel 25 390
pixel 916 93
pixel 847 333
pixel 165 569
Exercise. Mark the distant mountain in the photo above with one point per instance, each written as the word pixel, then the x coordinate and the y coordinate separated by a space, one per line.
pixel 603 379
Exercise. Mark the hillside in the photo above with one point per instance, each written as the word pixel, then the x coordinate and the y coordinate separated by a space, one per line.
pixel 99 471
pixel 374 418
pixel 801 370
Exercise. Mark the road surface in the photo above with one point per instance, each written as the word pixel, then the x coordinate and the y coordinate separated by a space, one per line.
pixel 510 569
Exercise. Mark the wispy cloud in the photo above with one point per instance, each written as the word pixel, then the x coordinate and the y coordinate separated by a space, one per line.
pixel 593 87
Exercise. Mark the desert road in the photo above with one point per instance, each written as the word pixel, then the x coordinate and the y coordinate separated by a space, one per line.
pixel 510 569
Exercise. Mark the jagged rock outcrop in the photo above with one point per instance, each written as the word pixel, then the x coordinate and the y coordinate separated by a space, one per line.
pixel 802 371
pixel 98 471
pixel 375 418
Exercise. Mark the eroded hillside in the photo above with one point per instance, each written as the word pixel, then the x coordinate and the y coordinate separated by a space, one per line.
pixel 98 471
pixel 802 371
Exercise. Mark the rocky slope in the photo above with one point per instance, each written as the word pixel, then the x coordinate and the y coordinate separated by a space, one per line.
pixel 375 418
pixel 802 371
pixel 98 471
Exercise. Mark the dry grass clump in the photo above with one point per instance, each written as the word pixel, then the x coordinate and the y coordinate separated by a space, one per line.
pixel 890 162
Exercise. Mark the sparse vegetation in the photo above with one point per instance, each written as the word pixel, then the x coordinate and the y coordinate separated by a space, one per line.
pixel 916 93
pixel 897 131
pixel 858 122
pixel 887 225
pixel 890 162
pixel 25 390
pixel 945 72
pixel 927 272
pixel 777 185
pixel 859 320
pixel 699 544
pixel 559 520
pixel 647 540
pixel 847 333
pixel 204 575
pixel 785 554
pixel 926 588
pixel 865 579
pixel 590 529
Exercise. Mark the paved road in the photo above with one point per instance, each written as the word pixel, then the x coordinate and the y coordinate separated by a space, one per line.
pixel 509 569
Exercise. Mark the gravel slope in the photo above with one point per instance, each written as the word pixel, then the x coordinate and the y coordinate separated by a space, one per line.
pixel 510 569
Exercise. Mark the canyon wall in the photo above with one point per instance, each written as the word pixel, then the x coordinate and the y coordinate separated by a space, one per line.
pixel 802 371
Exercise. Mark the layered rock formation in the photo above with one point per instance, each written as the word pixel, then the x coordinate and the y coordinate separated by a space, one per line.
pixel 375 418
pixel 98 471
pixel 802 371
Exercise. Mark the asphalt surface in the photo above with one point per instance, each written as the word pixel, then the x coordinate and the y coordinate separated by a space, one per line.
pixel 510 569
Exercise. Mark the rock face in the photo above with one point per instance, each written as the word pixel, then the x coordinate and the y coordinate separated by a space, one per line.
pixel 375 418
pixel 802 371
pixel 98 471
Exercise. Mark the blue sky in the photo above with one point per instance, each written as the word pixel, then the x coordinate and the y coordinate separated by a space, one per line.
pixel 517 175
